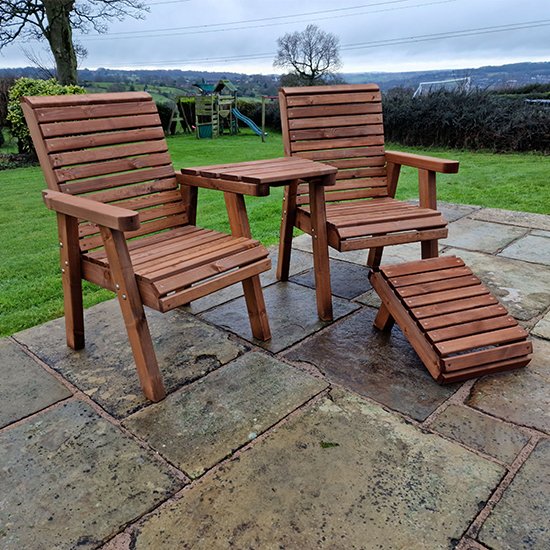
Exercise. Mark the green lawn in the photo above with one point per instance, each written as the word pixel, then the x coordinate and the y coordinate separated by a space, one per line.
pixel 30 286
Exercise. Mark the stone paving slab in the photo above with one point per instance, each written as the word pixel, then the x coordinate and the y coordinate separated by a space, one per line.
pixel 531 248
pixel 542 328
pixel 300 261
pixel 196 428
pixel 488 435
pixel 521 519
pixel 347 280
pixel 342 474
pixel 70 479
pixel 521 396
pixel 512 217
pixel 26 387
pixel 378 365
pixel 392 254
pixel 450 210
pixel 186 349
pixel 481 236
pixel 521 287
pixel 292 313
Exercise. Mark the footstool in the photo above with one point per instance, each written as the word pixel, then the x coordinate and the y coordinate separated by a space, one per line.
pixel 454 323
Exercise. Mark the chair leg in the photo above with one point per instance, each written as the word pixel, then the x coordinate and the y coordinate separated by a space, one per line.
pixel 375 257
pixel 288 219
pixel 133 313
pixel 429 249
pixel 384 320
pixel 72 282
pixel 255 305
pixel 321 261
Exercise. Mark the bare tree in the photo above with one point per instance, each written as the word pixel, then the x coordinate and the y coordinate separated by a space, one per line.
pixel 55 20
pixel 312 56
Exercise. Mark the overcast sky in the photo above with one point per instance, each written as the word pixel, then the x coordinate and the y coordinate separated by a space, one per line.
pixel 375 35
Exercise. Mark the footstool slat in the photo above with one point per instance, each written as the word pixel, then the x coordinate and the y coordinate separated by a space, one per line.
pixel 454 323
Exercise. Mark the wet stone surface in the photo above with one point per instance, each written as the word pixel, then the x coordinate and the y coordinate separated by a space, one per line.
pixel 376 364
pixel 529 249
pixel 520 520
pixel 186 350
pixel 342 474
pixel 26 387
pixel 292 314
pixel 512 217
pixel 347 280
pixel 480 432
pixel 196 428
pixel 69 479
pixel 521 396
pixel 300 261
pixel 522 288
pixel 481 236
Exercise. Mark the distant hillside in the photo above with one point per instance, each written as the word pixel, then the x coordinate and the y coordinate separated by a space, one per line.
pixel 504 76
pixel 495 77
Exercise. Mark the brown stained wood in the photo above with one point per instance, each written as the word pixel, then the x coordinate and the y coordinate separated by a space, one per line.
pixel 38 102
pixel 336 133
pixel 334 121
pixel 470 336
pixel 476 341
pixel 483 370
pixel 382 228
pixel 423 162
pixel 438 286
pixel 110 149
pixel 98 125
pixel 219 184
pixel 133 313
pixel 288 220
pixel 99 213
pixel 430 276
pixel 467 329
pixel 406 324
pixel 446 296
pixel 387 240
pixel 111 167
pixel 71 278
pixel 464 316
pixel 334 110
pixel 421 266
pixel 197 291
pixel 73 143
pixel 454 306
pixel 117 180
pixel 335 143
pixel 487 357
pixel 321 265
pixel 107 153
pixel 85 112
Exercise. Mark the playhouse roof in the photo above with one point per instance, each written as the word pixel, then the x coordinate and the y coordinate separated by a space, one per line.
pixel 215 88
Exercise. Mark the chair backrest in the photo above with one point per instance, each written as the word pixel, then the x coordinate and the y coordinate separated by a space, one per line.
pixel 109 148
pixel 342 126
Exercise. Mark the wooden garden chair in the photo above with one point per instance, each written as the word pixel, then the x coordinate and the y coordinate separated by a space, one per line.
pixel 127 224
pixel 342 126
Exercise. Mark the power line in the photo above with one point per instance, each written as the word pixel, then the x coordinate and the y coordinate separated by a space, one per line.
pixel 221 27
pixel 375 44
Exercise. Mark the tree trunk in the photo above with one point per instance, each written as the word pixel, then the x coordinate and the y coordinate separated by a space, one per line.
pixel 60 36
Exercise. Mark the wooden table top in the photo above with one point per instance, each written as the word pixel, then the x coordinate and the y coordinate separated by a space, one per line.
pixel 271 171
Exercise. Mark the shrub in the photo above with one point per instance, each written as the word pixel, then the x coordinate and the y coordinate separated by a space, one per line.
pixel 29 87
pixel 165 113
pixel 466 120
pixel 1 138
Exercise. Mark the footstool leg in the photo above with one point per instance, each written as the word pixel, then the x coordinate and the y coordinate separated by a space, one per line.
pixel 384 319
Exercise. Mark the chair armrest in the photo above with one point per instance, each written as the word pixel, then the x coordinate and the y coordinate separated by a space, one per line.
pixel 422 162
pixel 225 185
pixel 106 215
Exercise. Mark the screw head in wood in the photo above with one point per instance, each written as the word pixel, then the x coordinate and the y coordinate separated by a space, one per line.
pixel 124 296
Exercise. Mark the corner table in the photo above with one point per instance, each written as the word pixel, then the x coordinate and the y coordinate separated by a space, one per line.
pixel 255 178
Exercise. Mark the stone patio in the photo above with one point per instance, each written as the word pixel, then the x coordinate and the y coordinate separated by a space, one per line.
pixel 331 436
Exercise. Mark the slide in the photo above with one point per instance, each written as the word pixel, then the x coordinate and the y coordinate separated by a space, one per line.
pixel 247 121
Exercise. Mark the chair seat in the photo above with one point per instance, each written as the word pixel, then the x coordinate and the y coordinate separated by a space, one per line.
pixel 379 222
pixel 183 264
